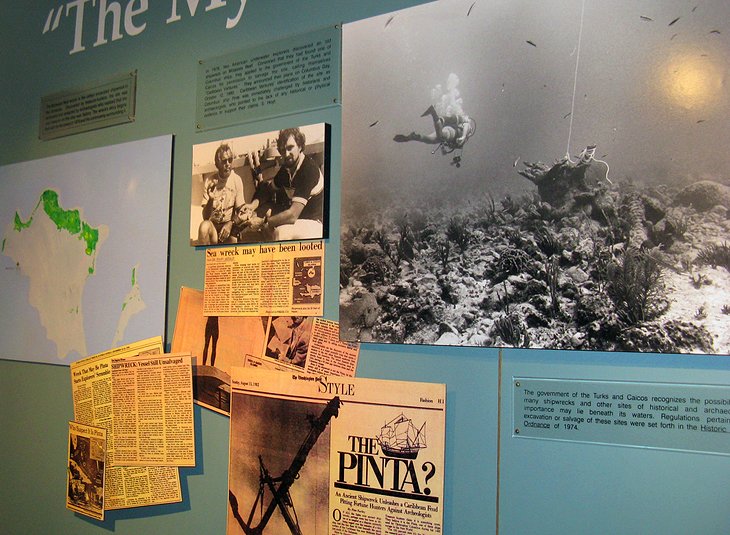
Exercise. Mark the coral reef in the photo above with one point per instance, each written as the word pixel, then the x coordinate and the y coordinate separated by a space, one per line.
pixel 581 264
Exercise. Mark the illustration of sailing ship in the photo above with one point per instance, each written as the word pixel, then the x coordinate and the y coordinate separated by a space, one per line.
pixel 401 438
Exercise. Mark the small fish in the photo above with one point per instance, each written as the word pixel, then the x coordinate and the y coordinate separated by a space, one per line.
pixel 700 121
pixel 514 164
pixel 389 21
pixel 715 31
pixel 648 19
pixel 470 8
pixel 603 156
pixel 693 9
pixel 673 36
pixel 533 44
pixel 373 124
pixel 704 55
pixel 566 115
pixel 675 20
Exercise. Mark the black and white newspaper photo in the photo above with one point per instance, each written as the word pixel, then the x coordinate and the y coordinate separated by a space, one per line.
pixel 335 455
pixel 264 280
pixel 93 403
pixel 288 339
pixel 538 175
pixel 310 344
pixel 85 471
pixel 216 344
pixel 266 187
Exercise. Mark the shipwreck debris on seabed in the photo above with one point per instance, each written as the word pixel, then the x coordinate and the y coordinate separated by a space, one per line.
pixel 567 186
pixel 558 183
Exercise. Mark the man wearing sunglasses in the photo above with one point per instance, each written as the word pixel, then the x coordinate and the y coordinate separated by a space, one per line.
pixel 223 194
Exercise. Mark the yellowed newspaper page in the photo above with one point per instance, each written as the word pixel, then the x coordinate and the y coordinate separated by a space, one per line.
pixel 267 364
pixel 85 471
pixel 216 344
pixel 152 405
pixel 91 387
pixel 265 280
pixel 328 354
pixel 332 455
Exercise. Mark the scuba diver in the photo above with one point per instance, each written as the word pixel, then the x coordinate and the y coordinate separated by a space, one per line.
pixel 451 131
pixel 452 128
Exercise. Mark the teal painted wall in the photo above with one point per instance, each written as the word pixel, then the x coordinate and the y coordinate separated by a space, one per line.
pixel 543 487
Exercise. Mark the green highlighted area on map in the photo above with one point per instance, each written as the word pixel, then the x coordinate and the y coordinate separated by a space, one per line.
pixel 68 220
pixel 18 223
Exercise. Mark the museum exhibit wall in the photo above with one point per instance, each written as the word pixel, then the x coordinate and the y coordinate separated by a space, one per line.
pixel 496 480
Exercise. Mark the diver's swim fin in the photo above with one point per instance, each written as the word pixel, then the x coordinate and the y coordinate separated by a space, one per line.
pixel 430 111
pixel 400 138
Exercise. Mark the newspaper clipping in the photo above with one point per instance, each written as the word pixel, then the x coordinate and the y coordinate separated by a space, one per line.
pixel 264 280
pixel 333 455
pixel 91 386
pixel 284 343
pixel 152 403
pixel 310 344
pixel 86 458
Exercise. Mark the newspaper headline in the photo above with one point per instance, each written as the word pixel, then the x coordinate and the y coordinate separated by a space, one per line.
pixel 264 280
pixel 335 455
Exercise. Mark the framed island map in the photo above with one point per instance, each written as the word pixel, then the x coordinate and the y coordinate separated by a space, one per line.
pixel 83 251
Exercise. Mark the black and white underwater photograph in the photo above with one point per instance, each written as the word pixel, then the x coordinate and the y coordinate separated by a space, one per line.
pixel 539 174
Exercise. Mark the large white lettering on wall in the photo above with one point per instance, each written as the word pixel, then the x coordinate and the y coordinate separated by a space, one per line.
pixel 116 18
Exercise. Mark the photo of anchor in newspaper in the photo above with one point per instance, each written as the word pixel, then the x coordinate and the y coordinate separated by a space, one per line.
pixel 279 465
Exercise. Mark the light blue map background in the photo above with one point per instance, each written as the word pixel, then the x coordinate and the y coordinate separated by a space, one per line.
pixel 124 192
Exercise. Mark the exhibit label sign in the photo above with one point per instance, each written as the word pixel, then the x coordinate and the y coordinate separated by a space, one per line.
pixel 107 103
pixel 298 73
pixel 685 417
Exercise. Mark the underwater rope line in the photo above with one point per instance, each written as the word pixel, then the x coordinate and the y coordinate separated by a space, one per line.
pixel 586 155
pixel 575 79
